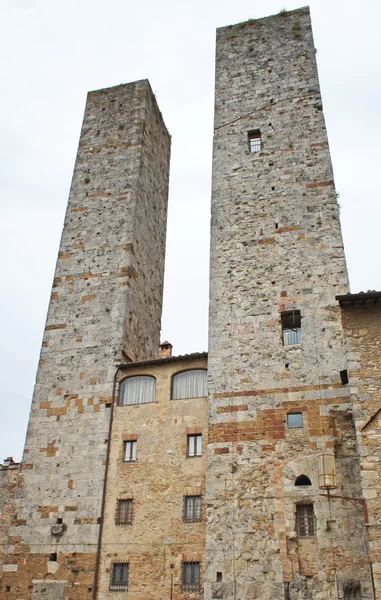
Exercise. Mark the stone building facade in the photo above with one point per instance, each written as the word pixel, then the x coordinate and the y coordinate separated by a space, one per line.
pixel 140 481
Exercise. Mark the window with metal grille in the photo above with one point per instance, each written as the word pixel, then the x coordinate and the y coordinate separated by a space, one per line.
pixel 191 576
pixel 291 328
pixel 192 508
pixel 255 143
pixel 194 445
pixel 305 520
pixel 119 577
pixel 124 512
pixel 130 451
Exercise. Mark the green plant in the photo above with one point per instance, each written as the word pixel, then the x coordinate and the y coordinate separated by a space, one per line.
pixel 87 179
pixel 296 28
pixel 282 12
pixel 231 35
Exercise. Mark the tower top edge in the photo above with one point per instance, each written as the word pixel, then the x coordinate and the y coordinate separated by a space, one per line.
pixel 304 10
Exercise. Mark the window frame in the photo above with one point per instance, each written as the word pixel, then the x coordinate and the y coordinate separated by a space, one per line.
pixel 254 137
pixel 295 426
pixel 194 515
pixel 128 513
pixel 192 583
pixel 305 523
pixel 134 377
pixel 195 437
pixel 132 456
pixel 122 586
pixel 295 331
pixel 188 371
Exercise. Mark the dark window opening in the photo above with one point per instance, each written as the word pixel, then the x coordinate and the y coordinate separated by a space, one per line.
pixel 291 328
pixel 192 509
pixel 7 588
pixel 130 451
pixel 255 141
pixel 59 520
pixel 191 576
pixel 352 590
pixel 295 420
pixel 344 377
pixel 303 480
pixel 305 520
pixel 194 445
pixel 53 557
pixel 119 577
pixel 219 576
pixel 124 512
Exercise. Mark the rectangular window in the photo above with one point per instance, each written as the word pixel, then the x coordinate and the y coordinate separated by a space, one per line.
pixel 192 508
pixel 295 420
pixel 191 576
pixel 194 445
pixel 254 137
pixel 291 328
pixel 130 451
pixel 124 512
pixel 119 577
pixel 305 520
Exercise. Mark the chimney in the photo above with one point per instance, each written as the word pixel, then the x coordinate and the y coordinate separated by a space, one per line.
pixel 165 350
pixel 8 461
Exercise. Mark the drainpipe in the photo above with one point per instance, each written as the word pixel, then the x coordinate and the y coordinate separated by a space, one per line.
pixel 98 558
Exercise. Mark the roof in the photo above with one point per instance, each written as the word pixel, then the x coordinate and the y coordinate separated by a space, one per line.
pixel 360 299
pixel 167 359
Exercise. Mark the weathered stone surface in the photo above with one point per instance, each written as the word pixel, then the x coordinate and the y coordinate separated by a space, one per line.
pixel 276 246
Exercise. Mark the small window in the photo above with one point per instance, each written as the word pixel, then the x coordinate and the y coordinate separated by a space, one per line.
pixel 130 451
pixel 137 390
pixel 303 480
pixel 295 420
pixel 305 520
pixel 195 445
pixel 255 142
pixel 119 577
pixel 189 384
pixel 291 328
pixel 124 512
pixel 191 576
pixel 192 508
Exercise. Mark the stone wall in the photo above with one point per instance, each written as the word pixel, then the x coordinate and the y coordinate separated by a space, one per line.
pixel 276 246
pixel 105 307
pixel 362 329
pixel 8 486
pixel 158 541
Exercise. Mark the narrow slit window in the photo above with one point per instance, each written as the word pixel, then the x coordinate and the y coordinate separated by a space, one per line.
pixel 255 141
pixel 305 520
pixel 130 451
pixel 124 511
pixel 291 328
pixel 194 445
pixel 192 509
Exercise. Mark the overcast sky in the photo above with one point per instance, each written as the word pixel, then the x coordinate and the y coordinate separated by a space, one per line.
pixel 54 52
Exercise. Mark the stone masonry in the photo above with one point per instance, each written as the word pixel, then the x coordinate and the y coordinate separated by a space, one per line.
pixel 276 246
pixel 105 308
pixel 8 484
pixel 158 540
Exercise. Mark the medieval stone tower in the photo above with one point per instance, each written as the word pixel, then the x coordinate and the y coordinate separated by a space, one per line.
pixel 276 399
pixel 251 472
pixel 105 309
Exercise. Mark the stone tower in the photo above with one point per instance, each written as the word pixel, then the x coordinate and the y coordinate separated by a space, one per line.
pixel 105 309
pixel 276 397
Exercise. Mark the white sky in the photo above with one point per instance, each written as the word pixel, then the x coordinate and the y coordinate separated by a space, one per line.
pixel 53 53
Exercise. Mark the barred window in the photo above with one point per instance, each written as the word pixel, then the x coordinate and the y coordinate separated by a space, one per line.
pixel 124 512
pixel 305 520
pixel 194 445
pixel 192 508
pixel 191 576
pixel 130 451
pixel 119 577
pixel 140 389
pixel 291 328
pixel 254 140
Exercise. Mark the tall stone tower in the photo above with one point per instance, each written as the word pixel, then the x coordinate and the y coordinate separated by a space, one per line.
pixel 277 400
pixel 105 309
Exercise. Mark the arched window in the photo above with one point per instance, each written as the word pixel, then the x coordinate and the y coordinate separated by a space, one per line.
pixel 189 384
pixel 303 480
pixel 140 389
